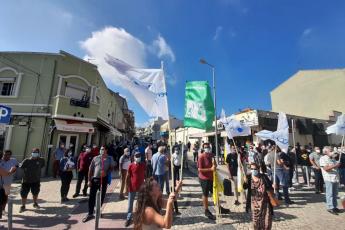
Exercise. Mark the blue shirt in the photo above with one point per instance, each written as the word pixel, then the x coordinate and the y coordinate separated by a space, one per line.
pixel 158 164
pixel 7 165
pixel 59 153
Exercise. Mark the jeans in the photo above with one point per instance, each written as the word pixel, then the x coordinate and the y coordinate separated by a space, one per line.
pixel 342 175
pixel 331 194
pixel 160 181
pixel 131 198
pixel 305 170
pixel 282 178
pixel 166 178
pixel 318 180
pixel 95 186
pixel 82 176
pixel 66 178
pixel 149 169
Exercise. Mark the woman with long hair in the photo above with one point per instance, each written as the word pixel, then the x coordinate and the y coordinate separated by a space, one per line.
pixel 149 206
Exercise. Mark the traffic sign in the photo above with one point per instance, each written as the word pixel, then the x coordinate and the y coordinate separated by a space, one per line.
pixel 5 114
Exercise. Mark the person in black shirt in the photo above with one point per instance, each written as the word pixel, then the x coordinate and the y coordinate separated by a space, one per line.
pixel 304 161
pixel 231 160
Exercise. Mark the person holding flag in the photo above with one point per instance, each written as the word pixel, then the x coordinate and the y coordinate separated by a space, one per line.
pixel 206 167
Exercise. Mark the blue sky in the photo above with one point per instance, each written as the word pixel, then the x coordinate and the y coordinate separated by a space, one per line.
pixel 255 45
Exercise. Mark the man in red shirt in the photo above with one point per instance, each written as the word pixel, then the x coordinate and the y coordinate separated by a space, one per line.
pixel 135 178
pixel 83 164
pixel 206 166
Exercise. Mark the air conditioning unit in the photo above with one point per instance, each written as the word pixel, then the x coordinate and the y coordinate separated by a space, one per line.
pixel 22 123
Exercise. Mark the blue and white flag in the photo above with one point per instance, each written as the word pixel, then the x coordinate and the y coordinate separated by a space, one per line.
pixel 234 127
pixel 146 85
pixel 339 127
pixel 281 136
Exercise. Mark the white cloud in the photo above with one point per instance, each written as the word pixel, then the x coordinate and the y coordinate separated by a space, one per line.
pixel 217 33
pixel 307 32
pixel 116 42
pixel 162 48
pixel 171 79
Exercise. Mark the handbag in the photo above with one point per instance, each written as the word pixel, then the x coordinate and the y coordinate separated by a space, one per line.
pixel 227 188
pixel 273 200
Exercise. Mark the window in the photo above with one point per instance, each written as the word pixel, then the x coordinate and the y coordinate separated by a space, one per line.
pixel 7 86
pixel 75 92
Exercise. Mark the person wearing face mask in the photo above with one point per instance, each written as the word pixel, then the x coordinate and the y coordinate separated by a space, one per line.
pixel 94 150
pixel 148 157
pixel 67 165
pixel 258 198
pixel 206 166
pixel 330 175
pixel 134 179
pixel 31 177
pixel 125 161
pixel 314 158
pixel 177 157
pixel 83 164
pixel 57 156
pixel 100 167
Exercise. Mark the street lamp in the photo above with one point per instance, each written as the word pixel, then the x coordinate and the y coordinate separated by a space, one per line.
pixel 203 61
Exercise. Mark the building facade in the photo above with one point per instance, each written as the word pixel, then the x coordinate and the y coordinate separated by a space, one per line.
pixel 313 93
pixel 57 98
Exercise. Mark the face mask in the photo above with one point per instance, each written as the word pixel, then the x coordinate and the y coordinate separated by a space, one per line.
pixel 71 145
pixel 101 152
pixel 207 150
pixel 317 151
pixel 62 146
pixel 70 154
pixel 127 153
pixel 255 172
pixel 138 159
pixel 88 150
pixel 35 154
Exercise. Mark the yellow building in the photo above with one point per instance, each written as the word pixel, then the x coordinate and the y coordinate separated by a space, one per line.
pixel 311 93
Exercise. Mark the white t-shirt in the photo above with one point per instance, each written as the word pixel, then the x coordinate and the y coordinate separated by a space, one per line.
pixel 177 159
pixel 332 175
pixel 125 161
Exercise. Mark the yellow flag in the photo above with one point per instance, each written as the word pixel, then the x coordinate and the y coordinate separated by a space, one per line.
pixel 240 175
pixel 217 187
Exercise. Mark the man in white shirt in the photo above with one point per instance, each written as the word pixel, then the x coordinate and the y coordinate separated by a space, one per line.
pixel 148 156
pixel 330 175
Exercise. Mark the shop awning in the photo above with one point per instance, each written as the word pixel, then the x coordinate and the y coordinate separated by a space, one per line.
pixel 115 132
pixel 74 126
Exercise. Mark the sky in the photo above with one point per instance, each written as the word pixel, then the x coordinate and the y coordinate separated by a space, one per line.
pixel 254 45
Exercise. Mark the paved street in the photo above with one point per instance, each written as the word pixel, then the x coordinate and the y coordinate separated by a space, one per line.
pixel 308 213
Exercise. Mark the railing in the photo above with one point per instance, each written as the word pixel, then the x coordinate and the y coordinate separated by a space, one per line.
pixel 84 102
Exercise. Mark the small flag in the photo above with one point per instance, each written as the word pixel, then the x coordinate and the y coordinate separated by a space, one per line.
pixel 339 127
pixel 234 127
pixel 217 187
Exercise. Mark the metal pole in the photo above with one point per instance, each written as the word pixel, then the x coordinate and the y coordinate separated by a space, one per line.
pixel 182 154
pixel 98 208
pixel 10 213
pixel 274 168
pixel 215 114
pixel 294 145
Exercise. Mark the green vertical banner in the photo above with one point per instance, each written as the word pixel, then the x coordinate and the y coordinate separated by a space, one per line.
pixel 199 108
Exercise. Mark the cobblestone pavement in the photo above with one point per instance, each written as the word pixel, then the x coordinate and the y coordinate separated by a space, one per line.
pixel 309 212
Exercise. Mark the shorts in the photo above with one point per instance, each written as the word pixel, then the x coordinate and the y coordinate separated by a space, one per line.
pixel 7 188
pixel 26 187
pixel 206 186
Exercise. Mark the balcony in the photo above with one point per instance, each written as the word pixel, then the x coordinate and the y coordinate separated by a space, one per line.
pixel 65 106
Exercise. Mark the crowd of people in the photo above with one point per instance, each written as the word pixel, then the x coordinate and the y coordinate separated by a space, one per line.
pixel 145 173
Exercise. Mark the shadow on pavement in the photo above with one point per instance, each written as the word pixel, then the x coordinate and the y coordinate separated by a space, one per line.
pixel 45 222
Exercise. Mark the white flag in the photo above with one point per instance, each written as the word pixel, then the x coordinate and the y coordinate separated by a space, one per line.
pixel 281 136
pixel 234 127
pixel 146 85
pixel 339 127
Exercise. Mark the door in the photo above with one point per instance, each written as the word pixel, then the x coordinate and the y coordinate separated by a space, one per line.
pixel 69 140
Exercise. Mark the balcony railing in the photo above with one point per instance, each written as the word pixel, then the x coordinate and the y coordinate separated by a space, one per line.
pixel 84 102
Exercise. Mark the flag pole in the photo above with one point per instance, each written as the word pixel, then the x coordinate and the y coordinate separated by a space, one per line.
pixel 170 141
pixel 294 146
pixel 274 168
pixel 341 147
pixel 239 159
pixel 182 159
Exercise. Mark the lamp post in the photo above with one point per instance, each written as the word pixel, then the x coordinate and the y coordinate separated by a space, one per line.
pixel 203 61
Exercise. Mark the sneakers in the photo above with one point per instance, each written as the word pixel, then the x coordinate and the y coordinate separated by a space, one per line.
pixel 224 210
pixel 337 210
pixel 332 211
pixel 209 215
pixel 128 223
pixel 237 203
pixel 75 195
pixel 22 209
pixel 87 218
pixel 36 205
